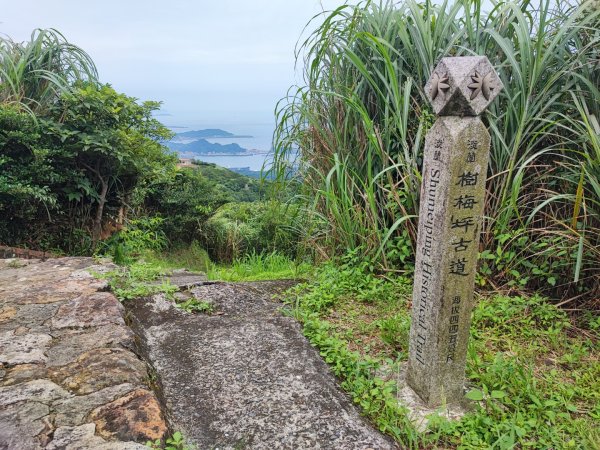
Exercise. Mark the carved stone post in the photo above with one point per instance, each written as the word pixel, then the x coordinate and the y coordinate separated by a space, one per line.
pixel 452 202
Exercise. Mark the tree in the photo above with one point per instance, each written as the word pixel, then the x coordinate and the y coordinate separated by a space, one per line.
pixel 185 202
pixel 25 175
pixel 110 139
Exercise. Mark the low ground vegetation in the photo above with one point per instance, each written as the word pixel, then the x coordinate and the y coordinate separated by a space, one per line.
pixel 533 373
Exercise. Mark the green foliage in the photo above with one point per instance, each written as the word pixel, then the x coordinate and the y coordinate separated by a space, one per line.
pixel 375 396
pixel 192 257
pixel 394 330
pixel 537 387
pixel 65 172
pixel 351 277
pixel 194 305
pixel 72 151
pixel 25 175
pixel 138 280
pixel 192 196
pixel 33 74
pixel 185 202
pixel 356 132
pixel 129 243
pixel 234 186
pixel 259 266
pixel 113 140
pixel 175 442
pixel 528 314
pixel 244 228
pixel 534 383
pixel 522 259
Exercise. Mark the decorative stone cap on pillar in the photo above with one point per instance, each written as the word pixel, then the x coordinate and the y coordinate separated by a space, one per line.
pixel 462 86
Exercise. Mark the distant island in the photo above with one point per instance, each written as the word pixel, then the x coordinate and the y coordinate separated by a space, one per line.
pixel 203 147
pixel 209 133
pixel 190 143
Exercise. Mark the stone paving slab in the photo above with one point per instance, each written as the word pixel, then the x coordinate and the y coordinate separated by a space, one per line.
pixel 68 376
pixel 245 377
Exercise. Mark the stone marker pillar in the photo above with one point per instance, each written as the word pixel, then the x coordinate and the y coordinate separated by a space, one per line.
pixel 452 202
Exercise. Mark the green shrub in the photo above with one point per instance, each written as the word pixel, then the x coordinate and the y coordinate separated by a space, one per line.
pixel 137 237
pixel 244 228
pixel 67 171
pixel 192 257
pixel 259 266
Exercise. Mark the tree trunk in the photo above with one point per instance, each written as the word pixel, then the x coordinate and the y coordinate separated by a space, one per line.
pixel 97 225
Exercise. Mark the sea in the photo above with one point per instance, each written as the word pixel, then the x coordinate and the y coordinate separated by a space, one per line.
pixel 258 143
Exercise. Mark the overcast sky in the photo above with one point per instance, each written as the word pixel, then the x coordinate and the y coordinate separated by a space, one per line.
pixel 212 62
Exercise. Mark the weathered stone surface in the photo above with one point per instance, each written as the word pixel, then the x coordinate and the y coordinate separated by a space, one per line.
pixel 22 373
pixel 55 328
pixel 452 204
pixel 246 377
pixel 100 308
pixel 53 281
pixel 24 349
pixel 83 437
pixel 98 369
pixel 13 262
pixel 7 313
pixel 419 413
pixel 137 416
pixel 21 330
pixel 74 410
pixel 41 391
pixel 34 317
pixel 183 279
pixel 447 246
pixel 69 344
pixel 75 437
pixel 462 86
pixel 230 378
pixel 59 292
pixel 21 423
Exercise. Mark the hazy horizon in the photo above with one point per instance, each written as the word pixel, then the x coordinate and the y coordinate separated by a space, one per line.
pixel 212 64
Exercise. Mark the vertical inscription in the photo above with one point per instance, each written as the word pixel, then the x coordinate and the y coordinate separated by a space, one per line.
pixel 462 218
pixel 426 263
pixel 451 206
pixel 452 200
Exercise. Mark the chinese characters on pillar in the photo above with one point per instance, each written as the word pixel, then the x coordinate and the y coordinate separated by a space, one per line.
pixel 437 145
pixel 464 222
pixel 452 199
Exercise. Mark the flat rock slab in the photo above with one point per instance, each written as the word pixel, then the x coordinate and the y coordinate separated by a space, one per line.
pixel 68 376
pixel 245 376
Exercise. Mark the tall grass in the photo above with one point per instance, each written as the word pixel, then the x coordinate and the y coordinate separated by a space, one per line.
pixel 358 126
pixel 32 73
pixel 258 267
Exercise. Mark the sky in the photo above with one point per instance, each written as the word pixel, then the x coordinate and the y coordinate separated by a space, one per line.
pixel 213 63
